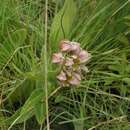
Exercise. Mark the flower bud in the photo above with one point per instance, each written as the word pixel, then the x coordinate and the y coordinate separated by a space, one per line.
pixel 61 76
pixel 75 80
pixel 65 46
pixel 57 58
pixel 84 56
pixel 69 62
pixel 75 47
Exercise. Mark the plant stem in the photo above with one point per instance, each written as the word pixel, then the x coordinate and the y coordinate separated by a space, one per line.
pixel 108 122
pixel 46 64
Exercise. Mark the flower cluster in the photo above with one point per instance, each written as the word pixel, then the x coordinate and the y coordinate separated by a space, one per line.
pixel 72 58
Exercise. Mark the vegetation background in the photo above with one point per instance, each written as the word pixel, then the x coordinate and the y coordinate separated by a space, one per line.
pixel 101 102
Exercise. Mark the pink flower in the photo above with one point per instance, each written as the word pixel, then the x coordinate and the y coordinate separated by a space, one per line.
pixel 65 45
pixel 69 62
pixel 61 76
pixel 57 58
pixel 75 80
pixel 72 57
pixel 75 47
pixel 84 56
pixel 77 75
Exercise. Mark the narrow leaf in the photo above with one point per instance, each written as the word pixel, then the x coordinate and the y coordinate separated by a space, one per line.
pixel 62 23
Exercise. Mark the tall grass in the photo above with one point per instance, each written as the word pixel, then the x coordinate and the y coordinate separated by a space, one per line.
pixel 30 96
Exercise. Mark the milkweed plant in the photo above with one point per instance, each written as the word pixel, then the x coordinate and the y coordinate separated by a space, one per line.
pixel 72 59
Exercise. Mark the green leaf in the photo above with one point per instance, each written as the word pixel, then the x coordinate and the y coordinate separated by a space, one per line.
pixel 18 36
pixel 59 98
pixel 123 39
pixel 78 125
pixel 9 46
pixel 15 116
pixel 40 111
pixel 62 23
pixel 35 97
pixel 127 80
pixel 9 120
pixel 27 111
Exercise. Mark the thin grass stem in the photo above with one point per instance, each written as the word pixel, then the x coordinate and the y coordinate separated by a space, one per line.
pixel 46 65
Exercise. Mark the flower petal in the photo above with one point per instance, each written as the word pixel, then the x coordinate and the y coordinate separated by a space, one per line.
pixel 69 62
pixel 75 47
pixel 65 45
pixel 57 58
pixel 77 75
pixel 84 56
pixel 75 80
pixel 61 76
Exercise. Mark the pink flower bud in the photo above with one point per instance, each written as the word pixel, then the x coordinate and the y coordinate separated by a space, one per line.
pixel 65 45
pixel 75 80
pixel 61 76
pixel 84 56
pixel 57 58
pixel 69 62
pixel 75 47
pixel 77 75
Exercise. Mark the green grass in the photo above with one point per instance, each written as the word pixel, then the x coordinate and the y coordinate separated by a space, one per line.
pixel 101 101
